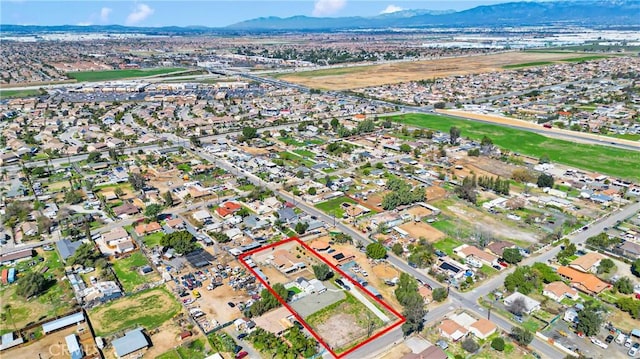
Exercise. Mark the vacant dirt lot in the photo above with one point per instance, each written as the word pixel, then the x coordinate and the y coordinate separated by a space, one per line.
pixel 419 211
pixel 385 271
pixel 419 230
pixel 435 193
pixel 338 330
pixel 366 76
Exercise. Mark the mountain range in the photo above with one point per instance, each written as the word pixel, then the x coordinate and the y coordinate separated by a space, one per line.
pixel 592 13
pixel 589 13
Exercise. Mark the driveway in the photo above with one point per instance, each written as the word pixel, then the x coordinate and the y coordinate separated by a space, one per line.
pixel 314 302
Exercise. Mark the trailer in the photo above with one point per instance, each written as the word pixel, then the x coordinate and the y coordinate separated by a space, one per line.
pixel 5 276
pixel 12 275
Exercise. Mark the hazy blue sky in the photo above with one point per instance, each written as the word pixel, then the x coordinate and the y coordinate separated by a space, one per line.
pixel 212 13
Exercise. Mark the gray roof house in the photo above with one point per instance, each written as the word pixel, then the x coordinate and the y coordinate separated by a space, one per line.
pixel 254 222
pixel 131 342
pixel 287 215
pixel 67 248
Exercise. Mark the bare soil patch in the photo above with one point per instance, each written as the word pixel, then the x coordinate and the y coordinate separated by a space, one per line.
pixel 254 150
pixel 385 271
pixel 419 230
pixel 489 223
pixel 376 75
pixel 338 330
pixel 435 193
pixel 419 211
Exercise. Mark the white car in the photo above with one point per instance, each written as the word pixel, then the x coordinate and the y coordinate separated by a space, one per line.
pixel 634 350
pixel 599 343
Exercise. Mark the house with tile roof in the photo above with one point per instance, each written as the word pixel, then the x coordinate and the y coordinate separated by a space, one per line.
pixel 558 291
pixel 587 263
pixel 584 282
pixel 452 330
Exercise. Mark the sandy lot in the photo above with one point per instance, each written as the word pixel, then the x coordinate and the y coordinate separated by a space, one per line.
pixel 254 150
pixel 420 229
pixel 166 338
pixel 483 166
pixel 338 330
pixel 435 193
pixel 54 345
pixel 419 211
pixel 385 271
pixel 489 223
pixel 366 76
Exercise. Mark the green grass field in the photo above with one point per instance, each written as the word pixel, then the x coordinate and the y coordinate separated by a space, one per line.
pixel 527 64
pixel 334 206
pixel 305 153
pixel 126 270
pixel 585 58
pixel 149 308
pixel 447 245
pixel 84 76
pixel 20 93
pixel 603 159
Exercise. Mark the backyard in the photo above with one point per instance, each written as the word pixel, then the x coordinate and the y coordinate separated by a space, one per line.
pixel 447 245
pixel 334 206
pixel 128 271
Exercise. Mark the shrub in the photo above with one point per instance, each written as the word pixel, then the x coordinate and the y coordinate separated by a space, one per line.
pixel 498 344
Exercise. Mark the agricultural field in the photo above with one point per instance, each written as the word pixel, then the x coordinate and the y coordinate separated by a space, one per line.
pixel 84 76
pixel 20 93
pixel 149 309
pixel 544 63
pixel 128 271
pixel 352 77
pixel 603 159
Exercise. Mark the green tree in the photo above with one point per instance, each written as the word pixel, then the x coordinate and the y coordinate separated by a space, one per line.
pixel 397 248
pixel 545 158
pixel 220 237
pixel 512 255
pixel 137 181
pixel 454 134
pixel 376 250
pixel 249 133
pixel 86 255
pixel 624 285
pixel 635 267
pixel 470 345
pixel 181 241
pixel 545 180
pixel 312 191
pixel 498 344
pixel 439 294
pixel 523 279
pixel 405 148
pixel 334 123
pixel 168 199
pixel 606 265
pixel 152 211
pixel 412 302
pixel 322 271
pixel 589 322
pixel 73 197
pixel 94 157
pixel 32 283
pixel 521 336
pixel 301 227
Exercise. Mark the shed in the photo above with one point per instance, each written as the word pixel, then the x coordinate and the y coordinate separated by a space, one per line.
pixel 75 351
pixel 131 342
pixel 62 322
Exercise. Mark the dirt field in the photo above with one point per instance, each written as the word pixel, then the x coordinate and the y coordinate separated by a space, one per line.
pixel 385 271
pixel 435 193
pixel 366 76
pixel 214 302
pixel 419 211
pixel 497 228
pixel 338 330
pixel 54 345
pixel 418 230
pixel 254 150
pixel 165 339
pixel 483 166
pixel 396 352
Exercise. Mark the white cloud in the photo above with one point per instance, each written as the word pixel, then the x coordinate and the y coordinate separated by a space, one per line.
pixel 391 9
pixel 87 23
pixel 328 7
pixel 140 13
pixel 104 14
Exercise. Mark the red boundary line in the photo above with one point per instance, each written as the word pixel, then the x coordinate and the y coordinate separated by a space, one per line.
pixel 241 258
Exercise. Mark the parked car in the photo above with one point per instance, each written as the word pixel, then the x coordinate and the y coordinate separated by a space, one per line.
pixel 634 350
pixel 242 336
pixel 231 305
pixel 620 339
pixel 241 355
pixel 627 343
pixel 609 339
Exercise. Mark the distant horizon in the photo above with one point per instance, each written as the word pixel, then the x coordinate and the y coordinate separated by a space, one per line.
pixel 211 14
